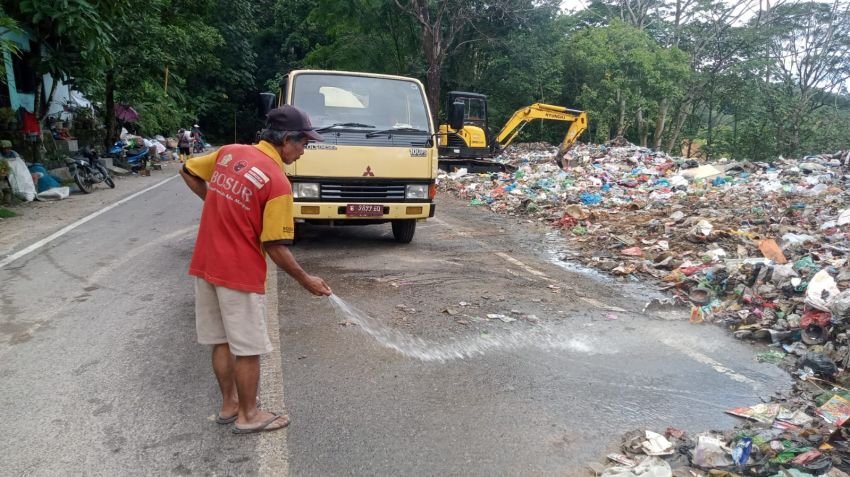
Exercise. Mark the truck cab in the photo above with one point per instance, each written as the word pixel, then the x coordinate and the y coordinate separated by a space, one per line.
pixel 378 163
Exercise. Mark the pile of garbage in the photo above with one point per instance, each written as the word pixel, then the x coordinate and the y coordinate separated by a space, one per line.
pixel 801 436
pixel 760 248
pixel 781 440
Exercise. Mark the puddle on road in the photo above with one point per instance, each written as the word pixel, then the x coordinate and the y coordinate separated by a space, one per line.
pixel 558 252
pixel 542 337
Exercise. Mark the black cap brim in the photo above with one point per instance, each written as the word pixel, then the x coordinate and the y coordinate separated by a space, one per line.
pixel 313 135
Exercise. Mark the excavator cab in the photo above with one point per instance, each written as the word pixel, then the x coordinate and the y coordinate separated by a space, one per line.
pixel 473 139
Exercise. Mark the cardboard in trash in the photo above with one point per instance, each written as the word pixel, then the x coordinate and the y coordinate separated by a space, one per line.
pixel 836 411
pixel 762 412
pixel 770 249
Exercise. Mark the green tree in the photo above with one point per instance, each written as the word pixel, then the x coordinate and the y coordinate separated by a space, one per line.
pixel 70 38
pixel 626 78
pixel 176 40
pixel 446 25
pixel 810 51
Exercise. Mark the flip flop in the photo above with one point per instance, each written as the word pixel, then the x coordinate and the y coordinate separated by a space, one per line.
pixel 226 420
pixel 219 419
pixel 262 427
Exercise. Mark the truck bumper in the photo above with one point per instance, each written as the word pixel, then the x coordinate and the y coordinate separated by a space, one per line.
pixel 323 211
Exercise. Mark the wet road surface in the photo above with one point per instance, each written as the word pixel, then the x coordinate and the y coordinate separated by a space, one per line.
pixel 101 375
pixel 594 368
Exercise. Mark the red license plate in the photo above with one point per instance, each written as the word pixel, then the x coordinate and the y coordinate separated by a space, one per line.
pixel 364 210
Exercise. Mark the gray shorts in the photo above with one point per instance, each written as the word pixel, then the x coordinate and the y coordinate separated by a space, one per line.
pixel 238 318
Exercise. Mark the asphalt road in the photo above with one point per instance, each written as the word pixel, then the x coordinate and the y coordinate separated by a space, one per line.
pixel 101 376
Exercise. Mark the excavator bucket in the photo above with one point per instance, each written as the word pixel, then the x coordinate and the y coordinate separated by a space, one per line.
pixel 576 128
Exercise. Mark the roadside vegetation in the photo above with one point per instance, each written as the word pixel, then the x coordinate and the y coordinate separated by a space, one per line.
pixel 735 79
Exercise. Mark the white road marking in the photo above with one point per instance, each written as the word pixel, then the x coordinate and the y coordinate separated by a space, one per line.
pixel 523 266
pixel 65 230
pixel 502 255
pixel 45 317
pixel 272 448
pixel 701 358
pixel 600 305
pixel 135 251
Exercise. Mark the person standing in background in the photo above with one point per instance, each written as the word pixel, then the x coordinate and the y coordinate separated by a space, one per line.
pixel 184 144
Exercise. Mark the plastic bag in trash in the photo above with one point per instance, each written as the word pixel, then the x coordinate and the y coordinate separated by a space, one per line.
pixel 650 467
pixel 783 273
pixel 821 290
pixel 790 239
pixel 588 198
pixel 710 453
pixel 840 305
pixel 820 364
pixel 843 218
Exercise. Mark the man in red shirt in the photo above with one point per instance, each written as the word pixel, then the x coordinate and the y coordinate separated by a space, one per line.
pixel 247 213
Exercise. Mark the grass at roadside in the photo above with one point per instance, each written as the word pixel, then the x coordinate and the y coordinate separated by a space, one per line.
pixel 6 213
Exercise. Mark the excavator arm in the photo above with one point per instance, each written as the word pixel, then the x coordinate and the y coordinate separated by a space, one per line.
pixel 543 111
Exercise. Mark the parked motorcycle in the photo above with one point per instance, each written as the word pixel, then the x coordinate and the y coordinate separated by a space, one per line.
pixel 198 145
pixel 130 158
pixel 87 170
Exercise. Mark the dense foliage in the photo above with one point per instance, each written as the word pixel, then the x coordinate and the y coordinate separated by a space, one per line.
pixel 737 79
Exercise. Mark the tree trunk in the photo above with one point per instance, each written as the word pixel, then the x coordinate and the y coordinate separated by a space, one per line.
pixel 681 117
pixel 641 127
pixel 660 123
pixel 621 121
pixel 109 120
pixel 433 88
pixel 432 46
pixel 710 139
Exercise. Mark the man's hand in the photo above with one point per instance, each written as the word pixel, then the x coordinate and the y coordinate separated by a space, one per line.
pixel 316 286
pixel 281 256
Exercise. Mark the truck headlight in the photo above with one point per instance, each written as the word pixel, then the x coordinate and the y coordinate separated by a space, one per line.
pixel 416 191
pixel 305 190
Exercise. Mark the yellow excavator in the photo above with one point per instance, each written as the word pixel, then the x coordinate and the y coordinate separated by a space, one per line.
pixel 473 147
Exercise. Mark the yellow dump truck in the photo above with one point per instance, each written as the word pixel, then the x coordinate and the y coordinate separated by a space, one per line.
pixel 378 162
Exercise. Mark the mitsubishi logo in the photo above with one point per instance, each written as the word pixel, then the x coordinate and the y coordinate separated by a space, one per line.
pixel 368 172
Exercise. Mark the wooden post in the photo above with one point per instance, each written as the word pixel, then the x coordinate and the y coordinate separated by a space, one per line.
pixel 166 80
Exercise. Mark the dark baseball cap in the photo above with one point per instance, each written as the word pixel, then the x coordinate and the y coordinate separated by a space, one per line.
pixel 290 118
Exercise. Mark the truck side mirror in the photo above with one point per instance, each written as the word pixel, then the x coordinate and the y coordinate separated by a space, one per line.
pixel 456 115
pixel 267 101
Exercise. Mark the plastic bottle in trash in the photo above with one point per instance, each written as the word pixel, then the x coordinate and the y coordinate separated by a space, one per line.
pixel 741 452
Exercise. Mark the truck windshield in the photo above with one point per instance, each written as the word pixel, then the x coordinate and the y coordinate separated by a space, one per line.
pixel 360 103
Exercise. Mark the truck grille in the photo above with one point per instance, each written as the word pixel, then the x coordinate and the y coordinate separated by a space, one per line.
pixel 342 192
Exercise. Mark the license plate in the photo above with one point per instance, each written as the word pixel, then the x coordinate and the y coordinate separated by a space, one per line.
pixel 364 210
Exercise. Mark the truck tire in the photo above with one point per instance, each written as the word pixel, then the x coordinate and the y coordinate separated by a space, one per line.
pixel 403 230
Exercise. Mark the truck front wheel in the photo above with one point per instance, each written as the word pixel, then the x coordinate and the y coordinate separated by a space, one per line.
pixel 403 230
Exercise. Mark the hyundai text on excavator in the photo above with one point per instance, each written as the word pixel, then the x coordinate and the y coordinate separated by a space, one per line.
pixel 473 147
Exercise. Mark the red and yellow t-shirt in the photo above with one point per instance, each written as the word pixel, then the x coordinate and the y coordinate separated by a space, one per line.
pixel 248 202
